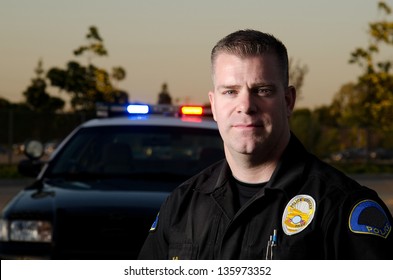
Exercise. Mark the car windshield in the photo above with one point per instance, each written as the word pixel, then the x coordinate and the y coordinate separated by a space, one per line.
pixel 138 152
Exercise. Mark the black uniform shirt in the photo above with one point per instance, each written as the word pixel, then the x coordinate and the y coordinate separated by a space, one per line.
pixel 244 191
pixel 316 211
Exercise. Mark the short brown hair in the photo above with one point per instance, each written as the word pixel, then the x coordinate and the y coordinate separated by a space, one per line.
pixel 246 43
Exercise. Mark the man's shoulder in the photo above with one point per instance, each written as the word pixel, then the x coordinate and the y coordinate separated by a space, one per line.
pixel 334 179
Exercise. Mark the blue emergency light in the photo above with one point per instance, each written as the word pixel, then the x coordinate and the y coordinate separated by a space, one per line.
pixel 105 110
pixel 138 109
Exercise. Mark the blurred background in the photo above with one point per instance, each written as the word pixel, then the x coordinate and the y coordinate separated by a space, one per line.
pixel 59 58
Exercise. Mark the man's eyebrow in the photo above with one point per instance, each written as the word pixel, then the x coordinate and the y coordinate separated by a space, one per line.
pixel 255 85
pixel 221 87
pixel 263 84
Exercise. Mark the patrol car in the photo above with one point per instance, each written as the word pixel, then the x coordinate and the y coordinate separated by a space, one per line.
pixel 99 193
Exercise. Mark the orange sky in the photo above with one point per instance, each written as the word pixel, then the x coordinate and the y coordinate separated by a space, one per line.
pixel 170 41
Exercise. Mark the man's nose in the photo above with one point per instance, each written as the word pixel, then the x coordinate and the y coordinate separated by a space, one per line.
pixel 246 103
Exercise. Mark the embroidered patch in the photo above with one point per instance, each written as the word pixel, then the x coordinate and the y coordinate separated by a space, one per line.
pixel 298 214
pixel 154 225
pixel 368 217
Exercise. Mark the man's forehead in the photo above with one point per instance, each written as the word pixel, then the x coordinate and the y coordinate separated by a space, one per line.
pixel 245 55
pixel 231 71
pixel 229 64
pixel 225 57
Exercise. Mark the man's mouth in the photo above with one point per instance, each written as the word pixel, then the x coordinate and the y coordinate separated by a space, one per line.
pixel 247 125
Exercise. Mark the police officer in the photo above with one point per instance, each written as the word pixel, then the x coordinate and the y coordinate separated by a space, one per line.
pixel 269 198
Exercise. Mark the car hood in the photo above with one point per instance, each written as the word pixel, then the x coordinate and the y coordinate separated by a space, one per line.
pixel 76 195
pixel 90 221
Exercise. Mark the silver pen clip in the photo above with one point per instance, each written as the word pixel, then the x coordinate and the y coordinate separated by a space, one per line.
pixel 269 244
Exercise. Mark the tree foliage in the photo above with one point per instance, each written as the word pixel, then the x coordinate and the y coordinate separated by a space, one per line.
pixel 373 93
pixel 89 84
pixel 362 111
pixel 297 73
pixel 37 98
pixel 346 106
pixel 164 97
pixel 95 44
pixel 316 129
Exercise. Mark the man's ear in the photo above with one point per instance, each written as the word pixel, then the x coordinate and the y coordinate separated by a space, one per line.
pixel 290 99
pixel 211 99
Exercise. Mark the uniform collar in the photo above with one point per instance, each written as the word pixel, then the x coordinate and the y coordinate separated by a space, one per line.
pixel 290 169
pixel 214 178
pixel 286 176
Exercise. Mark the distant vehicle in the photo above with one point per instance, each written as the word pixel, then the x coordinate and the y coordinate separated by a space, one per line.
pixel 381 154
pixel 352 154
pixel 358 154
pixel 100 191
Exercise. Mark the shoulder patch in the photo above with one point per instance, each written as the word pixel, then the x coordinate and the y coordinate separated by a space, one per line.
pixel 368 217
pixel 155 223
pixel 298 214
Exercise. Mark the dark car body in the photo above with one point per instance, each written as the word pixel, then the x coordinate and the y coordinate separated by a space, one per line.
pixel 100 192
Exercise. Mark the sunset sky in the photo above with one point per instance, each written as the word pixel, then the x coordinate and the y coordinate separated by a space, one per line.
pixel 170 41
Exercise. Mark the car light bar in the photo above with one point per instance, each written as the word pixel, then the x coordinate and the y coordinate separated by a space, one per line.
pixel 105 110
pixel 192 110
pixel 138 109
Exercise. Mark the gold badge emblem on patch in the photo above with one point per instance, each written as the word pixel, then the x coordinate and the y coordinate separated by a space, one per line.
pixel 298 214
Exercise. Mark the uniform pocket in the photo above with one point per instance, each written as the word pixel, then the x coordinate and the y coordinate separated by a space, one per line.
pixel 183 251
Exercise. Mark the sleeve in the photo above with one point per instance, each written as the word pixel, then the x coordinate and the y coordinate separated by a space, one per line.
pixel 155 246
pixel 362 228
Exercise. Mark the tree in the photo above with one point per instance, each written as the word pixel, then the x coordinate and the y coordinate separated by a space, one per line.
pixel 297 73
pixel 95 45
pixel 37 98
pixel 346 106
pixel 304 126
pixel 164 97
pixel 4 103
pixel 89 84
pixel 317 130
pixel 119 96
pixel 363 110
pixel 118 73
pixel 374 89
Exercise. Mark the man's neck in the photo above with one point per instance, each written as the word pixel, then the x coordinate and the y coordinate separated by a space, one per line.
pixel 255 168
pixel 253 174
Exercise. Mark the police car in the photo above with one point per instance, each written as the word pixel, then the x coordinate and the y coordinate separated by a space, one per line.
pixel 98 195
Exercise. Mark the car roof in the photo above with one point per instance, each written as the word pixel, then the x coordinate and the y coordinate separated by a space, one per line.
pixel 154 120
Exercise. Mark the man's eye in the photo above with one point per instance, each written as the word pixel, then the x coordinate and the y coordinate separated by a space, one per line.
pixel 229 92
pixel 264 91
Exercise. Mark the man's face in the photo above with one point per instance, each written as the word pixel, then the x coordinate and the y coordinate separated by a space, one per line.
pixel 251 104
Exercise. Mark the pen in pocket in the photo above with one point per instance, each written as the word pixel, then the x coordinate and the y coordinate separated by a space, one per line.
pixel 270 244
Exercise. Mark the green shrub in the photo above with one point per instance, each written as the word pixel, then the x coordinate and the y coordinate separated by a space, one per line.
pixel 363 167
pixel 9 171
